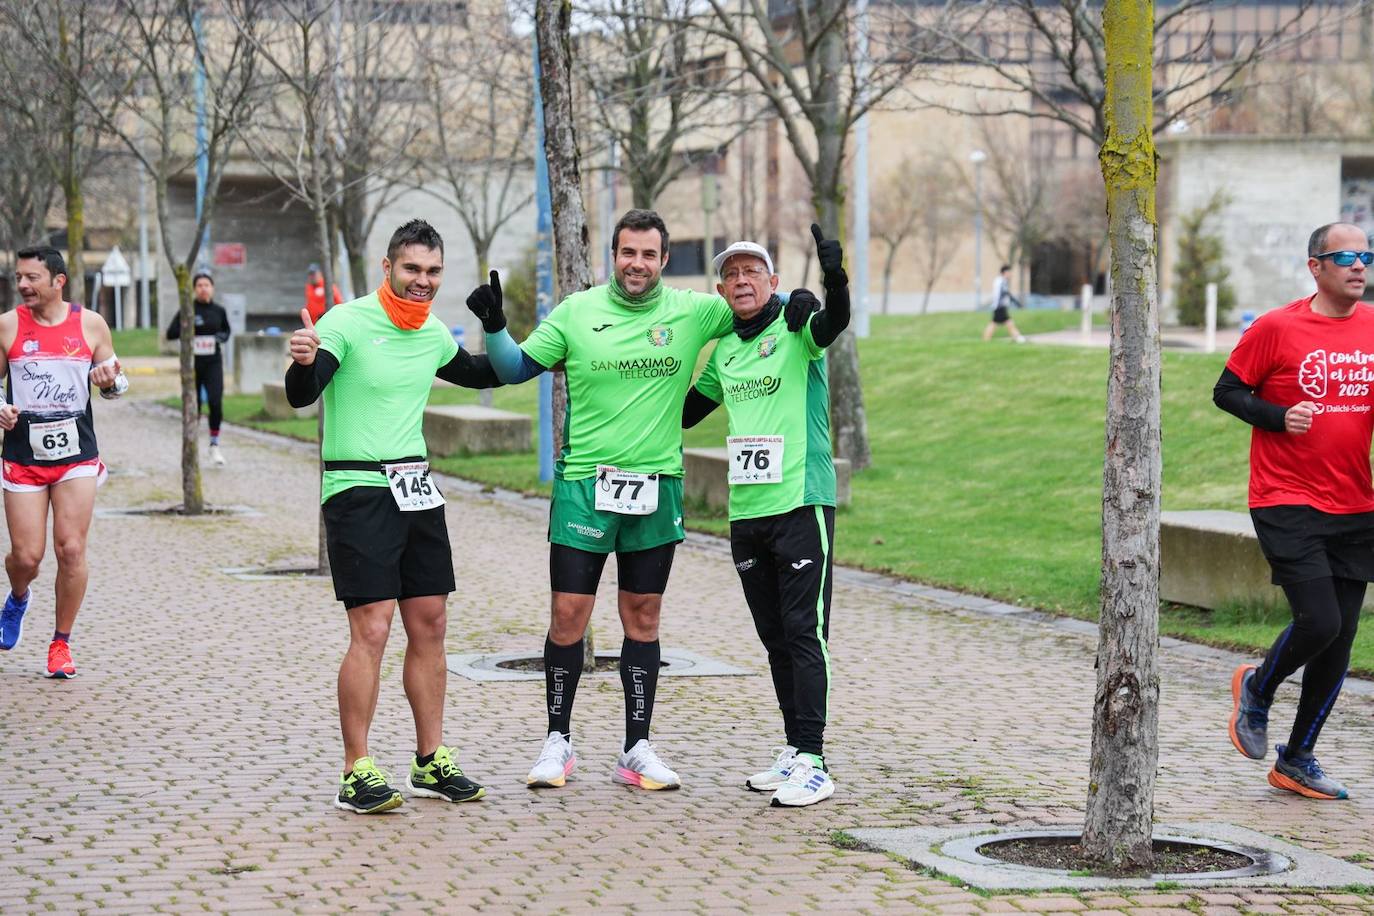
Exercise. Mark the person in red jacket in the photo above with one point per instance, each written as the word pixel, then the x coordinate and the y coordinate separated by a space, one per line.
pixel 1303 377
pixel 314 292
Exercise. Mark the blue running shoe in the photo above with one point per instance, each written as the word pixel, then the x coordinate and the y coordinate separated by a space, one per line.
pixel 1302 774
pixel 1249 715
pixel 12 620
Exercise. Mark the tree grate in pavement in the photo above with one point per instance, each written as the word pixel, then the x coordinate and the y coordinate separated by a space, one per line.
pixel 954 851
pixel 519 666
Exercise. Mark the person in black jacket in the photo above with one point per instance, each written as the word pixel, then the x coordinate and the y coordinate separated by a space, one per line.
pixel 212 331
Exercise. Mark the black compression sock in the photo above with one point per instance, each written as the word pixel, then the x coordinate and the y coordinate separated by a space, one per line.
pixel 562 670
pixel 424 760
pixel 639 676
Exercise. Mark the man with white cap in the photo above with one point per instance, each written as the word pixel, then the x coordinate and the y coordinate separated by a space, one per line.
pixel 782 491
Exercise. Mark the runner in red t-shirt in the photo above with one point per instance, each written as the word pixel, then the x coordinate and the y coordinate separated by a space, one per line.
pixel 1303 376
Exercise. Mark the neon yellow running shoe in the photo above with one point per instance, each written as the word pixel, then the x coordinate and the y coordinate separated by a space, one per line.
pixel 365 790
pixel 442 778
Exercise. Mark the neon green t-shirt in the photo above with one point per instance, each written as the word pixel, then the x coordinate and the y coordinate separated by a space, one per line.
pixel 628 370
pixel 775 384
pixel 375 403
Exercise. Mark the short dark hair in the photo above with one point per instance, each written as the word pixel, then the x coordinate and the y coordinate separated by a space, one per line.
pixel 1316 243
pixel 415 232
pixel 640 220
pixel 202 273
pixel 1004 268
pixel 52 258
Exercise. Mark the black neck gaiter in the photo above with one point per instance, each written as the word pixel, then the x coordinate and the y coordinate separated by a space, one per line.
pixel 767 315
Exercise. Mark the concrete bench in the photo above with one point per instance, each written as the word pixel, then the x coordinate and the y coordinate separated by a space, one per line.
pixel 705 471
pixel 1210 558
pixel 260 359
pixel 276 406
pixel 468 429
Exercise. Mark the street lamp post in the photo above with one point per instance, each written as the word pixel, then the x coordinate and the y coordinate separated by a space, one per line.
pixel 977 157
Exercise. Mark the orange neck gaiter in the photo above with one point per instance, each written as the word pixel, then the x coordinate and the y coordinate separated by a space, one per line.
pixel 405 314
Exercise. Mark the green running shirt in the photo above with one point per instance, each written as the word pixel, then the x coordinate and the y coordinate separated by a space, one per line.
pixel 628 372
pixel 375 403
pixel 775 384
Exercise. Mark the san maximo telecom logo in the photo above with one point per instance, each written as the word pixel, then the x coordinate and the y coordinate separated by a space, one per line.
pixel 647 367
pixel 753 388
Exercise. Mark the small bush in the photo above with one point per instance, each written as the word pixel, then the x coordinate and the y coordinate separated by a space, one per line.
pixel 1202 260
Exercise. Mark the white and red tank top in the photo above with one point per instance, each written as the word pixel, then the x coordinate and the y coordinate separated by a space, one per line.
pixel 49 381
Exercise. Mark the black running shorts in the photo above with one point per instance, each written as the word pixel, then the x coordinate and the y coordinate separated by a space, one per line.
pixel 377 552
pixel 1302 543
pixel 1000 315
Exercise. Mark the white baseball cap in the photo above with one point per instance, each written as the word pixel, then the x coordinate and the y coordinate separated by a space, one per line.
pixel 750 248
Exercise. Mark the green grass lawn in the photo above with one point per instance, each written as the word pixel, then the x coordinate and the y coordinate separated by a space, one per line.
pixel 987 466
pixel 136 342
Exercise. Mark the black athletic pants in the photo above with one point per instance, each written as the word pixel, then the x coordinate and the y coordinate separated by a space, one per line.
pixel 784 564
pixel 210 377
pixel 1326 613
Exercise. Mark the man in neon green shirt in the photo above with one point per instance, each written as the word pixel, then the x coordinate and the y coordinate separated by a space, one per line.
pixel 629 348
pixel 375 360
pixel 782 492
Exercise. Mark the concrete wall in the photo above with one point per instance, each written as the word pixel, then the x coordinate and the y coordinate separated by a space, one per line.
pixel 278 238
pixel 1281 188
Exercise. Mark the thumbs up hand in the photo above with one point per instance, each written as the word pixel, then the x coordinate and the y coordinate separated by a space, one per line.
pixel 831 257
pixel 305 342
pixel 485 303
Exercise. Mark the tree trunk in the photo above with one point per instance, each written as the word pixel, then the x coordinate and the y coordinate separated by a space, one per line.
pixel 571 238
pixel 76 232
pixel 847 417
pixel 72 170
pixel 887 275
pixel 192 497
pixel 324 239
pixel 1120 809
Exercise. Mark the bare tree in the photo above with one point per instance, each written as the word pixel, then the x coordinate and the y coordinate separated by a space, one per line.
pixel 482 132
pixel 1016 205
pixel 1119 824
pixel 811 73
pixel 168 45
pixel 374 110
pixel 1048 60
pixel 571 236
pixel 27 147
pixel 919 201
pixel 77 53
pixel 655 81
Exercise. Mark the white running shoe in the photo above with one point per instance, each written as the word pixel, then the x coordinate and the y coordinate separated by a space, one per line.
pixel 217 455
pixel 806 785
pixel 777 774
pixel 556 762
pixel 640 766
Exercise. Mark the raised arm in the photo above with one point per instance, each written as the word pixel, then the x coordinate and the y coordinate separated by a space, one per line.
pixel 510 363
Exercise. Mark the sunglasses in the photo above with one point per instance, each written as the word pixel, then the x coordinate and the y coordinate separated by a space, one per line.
pixel 1347 258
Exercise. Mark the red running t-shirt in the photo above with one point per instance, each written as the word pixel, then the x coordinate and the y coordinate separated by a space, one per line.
pixel 1293 354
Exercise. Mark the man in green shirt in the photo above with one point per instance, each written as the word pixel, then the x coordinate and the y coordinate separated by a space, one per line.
pixel 375 360
pixel 628 349
pixel 782 491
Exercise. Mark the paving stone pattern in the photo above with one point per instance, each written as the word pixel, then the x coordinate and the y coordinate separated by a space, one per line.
pixel 191 765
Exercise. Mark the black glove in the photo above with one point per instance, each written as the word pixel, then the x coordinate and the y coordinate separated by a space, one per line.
pixel 831 256
pixel 485 303
pixel 799 307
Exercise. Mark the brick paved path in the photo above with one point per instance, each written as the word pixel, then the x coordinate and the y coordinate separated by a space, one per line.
pixel 192 763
